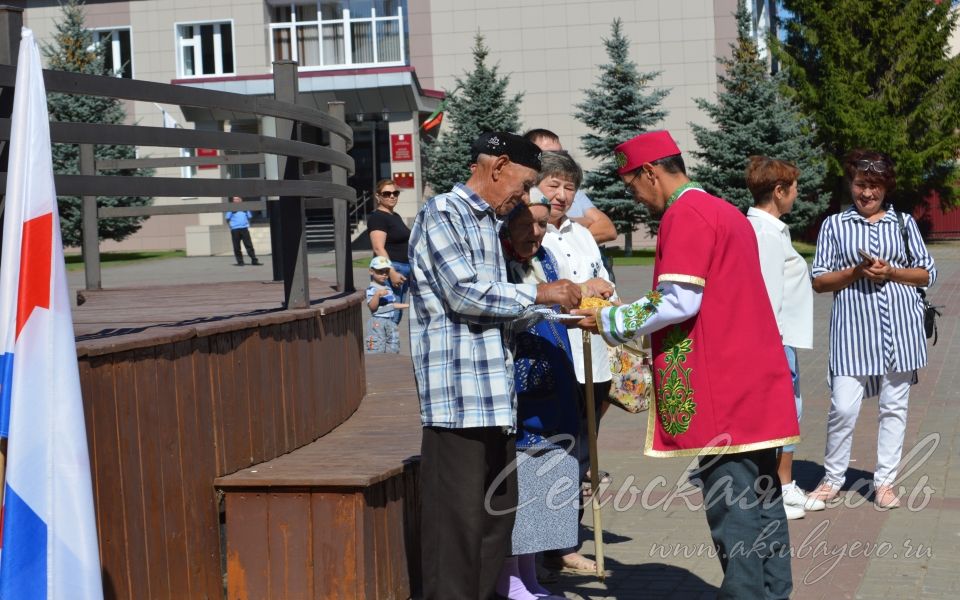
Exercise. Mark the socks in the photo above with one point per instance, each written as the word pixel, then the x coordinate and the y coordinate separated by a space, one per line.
pixel 509 583
pixel 528 574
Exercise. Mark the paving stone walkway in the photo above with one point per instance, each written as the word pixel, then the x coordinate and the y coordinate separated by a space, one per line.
pixel 658 546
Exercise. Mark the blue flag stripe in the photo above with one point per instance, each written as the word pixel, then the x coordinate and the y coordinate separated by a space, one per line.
pixel 6 378
pixel 24 559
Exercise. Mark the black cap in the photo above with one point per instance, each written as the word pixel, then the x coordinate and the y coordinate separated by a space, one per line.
pixel 498 143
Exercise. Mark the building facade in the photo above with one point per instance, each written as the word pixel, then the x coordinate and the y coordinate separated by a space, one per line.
pixel 389 62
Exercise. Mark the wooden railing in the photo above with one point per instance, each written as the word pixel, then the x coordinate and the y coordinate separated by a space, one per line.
pixel 296 143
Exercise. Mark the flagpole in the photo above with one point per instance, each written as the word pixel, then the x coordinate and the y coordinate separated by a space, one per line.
pixel 3 467
pixel 594 458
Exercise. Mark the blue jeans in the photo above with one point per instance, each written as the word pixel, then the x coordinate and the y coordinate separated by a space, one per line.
pixel 382 336
pixel 400 290
pixel 794 364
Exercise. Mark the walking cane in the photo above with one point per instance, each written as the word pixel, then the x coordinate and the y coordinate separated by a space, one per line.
pixel 594 460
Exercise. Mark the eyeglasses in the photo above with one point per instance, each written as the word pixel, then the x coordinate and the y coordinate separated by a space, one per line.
pixel 393 194
pixel 877 166
pixel 636 174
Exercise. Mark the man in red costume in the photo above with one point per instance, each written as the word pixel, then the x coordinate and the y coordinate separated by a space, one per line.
pixel 723 388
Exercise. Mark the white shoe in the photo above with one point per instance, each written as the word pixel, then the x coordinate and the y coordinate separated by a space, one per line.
pixel 794 496
pixel 794 512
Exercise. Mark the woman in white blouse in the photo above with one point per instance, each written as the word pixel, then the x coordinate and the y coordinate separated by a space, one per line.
pixel 773 184
pixel 579 260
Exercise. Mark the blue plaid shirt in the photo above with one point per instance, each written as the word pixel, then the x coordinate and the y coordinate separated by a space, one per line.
pixel 461 304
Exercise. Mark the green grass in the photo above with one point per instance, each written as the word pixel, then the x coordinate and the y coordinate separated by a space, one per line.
pixel 640 256
pixel 806 250
pixel 112 259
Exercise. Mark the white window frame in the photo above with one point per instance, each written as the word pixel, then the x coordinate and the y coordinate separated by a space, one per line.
pixel 345 21
pixel 115 51
pixel 181 43
pixel 188 172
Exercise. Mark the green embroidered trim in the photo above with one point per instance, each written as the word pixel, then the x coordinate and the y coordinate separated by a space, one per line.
pixel 611 322
pixel 675 396
pixel 690 185
pixel 636 314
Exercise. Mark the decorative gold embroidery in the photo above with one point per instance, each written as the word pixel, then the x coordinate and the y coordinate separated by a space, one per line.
pixel 677 278
pixel 675 396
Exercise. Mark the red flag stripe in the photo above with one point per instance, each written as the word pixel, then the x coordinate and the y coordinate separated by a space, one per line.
pixel 36 250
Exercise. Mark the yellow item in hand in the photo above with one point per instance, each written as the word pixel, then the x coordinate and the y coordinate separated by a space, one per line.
pixel 594 303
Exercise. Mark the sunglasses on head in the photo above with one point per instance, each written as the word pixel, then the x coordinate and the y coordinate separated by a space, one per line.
pixel 877 166
pixel 394 194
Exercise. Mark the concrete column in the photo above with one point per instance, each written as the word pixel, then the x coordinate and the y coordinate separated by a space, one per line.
pixel 405 125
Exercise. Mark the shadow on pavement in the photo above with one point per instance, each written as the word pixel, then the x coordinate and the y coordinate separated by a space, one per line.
pixel 808 475
pixel 635 582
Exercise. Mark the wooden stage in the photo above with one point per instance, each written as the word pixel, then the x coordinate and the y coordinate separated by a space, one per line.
pixel 184 385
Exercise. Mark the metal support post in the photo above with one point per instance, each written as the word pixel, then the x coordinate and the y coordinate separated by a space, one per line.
pixel 341 218
pixel 11 20
pixel 291 214
pixel 91 230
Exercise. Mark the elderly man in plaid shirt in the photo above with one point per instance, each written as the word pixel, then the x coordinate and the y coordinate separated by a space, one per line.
pixel 461 304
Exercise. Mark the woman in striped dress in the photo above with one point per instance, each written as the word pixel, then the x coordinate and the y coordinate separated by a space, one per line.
pixel 877 340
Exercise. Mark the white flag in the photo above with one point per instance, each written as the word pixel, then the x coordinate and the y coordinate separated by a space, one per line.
pixel 49 529
pixel 168 121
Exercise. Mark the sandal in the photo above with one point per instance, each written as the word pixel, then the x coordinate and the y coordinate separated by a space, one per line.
pixel 574 563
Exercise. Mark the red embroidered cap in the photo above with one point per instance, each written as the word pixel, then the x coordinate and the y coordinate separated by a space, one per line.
pixel 646 147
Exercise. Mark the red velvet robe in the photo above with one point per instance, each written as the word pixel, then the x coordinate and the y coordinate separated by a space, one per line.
pixel 721 378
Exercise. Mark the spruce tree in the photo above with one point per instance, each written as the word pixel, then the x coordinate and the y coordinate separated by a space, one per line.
pixel 478 103
pixel 618 108
pixel 73 50
pixel 878 75
pixel 752 116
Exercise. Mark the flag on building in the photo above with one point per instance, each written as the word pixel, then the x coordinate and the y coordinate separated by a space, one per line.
pixel 49 536
pixel 435 118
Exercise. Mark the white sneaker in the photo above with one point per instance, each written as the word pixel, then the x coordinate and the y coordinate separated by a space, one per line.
pixel 793 501
pixel 796 497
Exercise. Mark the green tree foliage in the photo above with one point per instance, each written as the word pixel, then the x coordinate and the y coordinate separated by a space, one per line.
pixel 478 103
pixel 618 108
pixel 73 50
pixel 752 116
pixel 878 75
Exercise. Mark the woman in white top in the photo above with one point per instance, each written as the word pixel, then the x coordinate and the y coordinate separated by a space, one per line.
pixel 773 184
pixel 578 259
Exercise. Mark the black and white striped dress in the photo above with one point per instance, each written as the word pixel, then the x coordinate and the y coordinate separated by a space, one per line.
pixel 875 328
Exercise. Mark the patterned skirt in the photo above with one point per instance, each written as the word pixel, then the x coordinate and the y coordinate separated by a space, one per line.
pixel 548 482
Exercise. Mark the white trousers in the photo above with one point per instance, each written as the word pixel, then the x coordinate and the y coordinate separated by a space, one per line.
pixel 845 400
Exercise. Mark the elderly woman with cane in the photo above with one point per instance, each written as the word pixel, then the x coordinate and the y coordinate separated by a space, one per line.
pixel 547 420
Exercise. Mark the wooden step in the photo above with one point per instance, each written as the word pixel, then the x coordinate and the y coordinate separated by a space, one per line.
pixel 337 518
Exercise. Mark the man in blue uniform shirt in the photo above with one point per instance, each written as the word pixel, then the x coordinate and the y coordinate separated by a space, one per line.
pixel 239 221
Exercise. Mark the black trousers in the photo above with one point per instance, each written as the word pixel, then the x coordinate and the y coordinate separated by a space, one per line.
pixel 242 234
pixel 744 509
pixel 468 490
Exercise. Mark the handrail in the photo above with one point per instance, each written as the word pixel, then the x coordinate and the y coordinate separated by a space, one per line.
pixel 141 135
pixel 163 93
pixel 360 206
